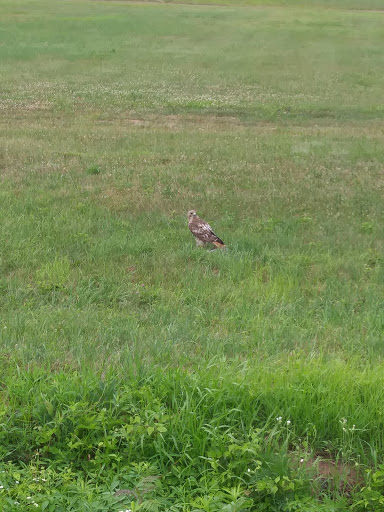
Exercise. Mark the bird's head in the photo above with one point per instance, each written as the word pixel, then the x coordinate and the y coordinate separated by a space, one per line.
pixel 191 214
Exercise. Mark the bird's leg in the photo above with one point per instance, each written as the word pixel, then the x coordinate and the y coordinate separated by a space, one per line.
pixel 199 243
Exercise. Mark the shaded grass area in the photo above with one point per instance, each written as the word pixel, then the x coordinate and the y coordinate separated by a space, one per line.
pixel 132 361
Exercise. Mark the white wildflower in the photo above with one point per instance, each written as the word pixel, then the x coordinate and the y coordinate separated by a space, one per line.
pixel 288 422
pixel 301 460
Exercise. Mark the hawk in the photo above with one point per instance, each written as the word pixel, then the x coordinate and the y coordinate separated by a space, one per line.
pixel 202 231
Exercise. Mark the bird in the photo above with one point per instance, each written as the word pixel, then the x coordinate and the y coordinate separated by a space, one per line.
pixel 202 231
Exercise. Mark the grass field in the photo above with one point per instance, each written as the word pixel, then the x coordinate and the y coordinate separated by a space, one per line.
pixel 137 371
pixel 360 5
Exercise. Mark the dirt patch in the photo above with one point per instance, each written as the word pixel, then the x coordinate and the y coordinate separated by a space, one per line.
pixel 138 122
pixel 330 475
pixel 26 106
pixel 181 122
pixel 206 122
pixel 335 475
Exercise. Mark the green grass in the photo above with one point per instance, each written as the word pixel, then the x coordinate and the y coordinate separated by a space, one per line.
pixel 129 358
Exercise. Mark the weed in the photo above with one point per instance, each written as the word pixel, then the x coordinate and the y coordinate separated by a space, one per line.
pixel 94 169
pixel 53 275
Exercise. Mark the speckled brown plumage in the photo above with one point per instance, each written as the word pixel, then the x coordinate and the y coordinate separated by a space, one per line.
pixel 202 231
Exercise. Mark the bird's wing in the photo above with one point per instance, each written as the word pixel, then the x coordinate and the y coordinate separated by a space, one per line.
pixel 203 231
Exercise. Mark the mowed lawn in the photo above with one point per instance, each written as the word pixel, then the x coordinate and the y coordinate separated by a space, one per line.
pixel 127 354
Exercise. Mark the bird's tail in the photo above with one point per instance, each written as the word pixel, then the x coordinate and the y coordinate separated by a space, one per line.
pixel 219 243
